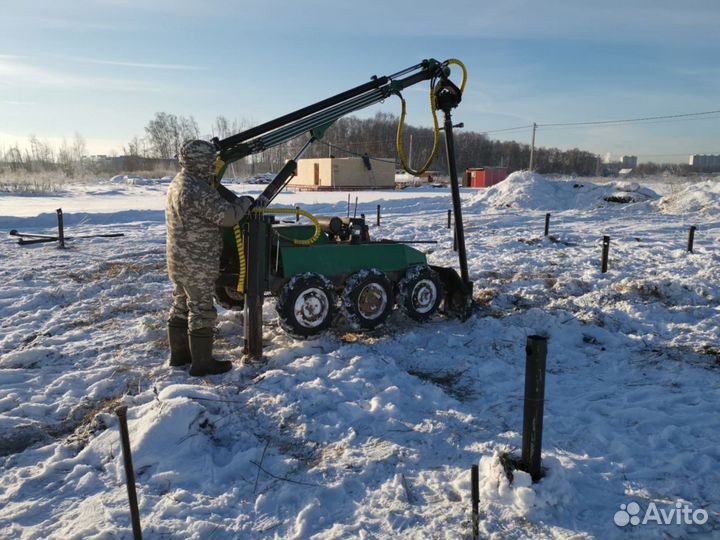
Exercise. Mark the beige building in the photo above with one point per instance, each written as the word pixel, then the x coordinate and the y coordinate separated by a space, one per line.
pixel 326 174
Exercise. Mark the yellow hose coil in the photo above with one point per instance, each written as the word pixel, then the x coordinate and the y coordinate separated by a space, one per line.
pixel 242 275
pixel 436 125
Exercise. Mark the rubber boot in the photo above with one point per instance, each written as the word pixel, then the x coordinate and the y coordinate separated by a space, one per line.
pixel 201 345
pixel 177 330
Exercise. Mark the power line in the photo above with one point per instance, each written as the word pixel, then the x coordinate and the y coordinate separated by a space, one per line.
pixel 649 119
pixel 354 153
pixel 629 120
pixel 507 129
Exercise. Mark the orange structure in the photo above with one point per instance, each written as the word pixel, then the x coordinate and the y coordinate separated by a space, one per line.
pixel 484 176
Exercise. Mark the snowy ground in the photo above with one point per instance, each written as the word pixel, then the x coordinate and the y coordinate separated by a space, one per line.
pixel 373 438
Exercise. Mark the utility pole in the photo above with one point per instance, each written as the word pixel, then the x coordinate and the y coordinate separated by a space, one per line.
pixel 532 148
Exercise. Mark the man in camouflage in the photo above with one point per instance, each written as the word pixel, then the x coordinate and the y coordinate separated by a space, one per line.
pixel 195 214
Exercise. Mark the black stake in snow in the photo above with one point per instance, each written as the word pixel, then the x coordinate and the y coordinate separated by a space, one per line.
pixel 691 238
pixel 449 218
pixel 129 471
pixel 605 253
pixel 536 354
pixel 27 239
pixel 377 222
pixel 297 214
pixel 61 229
pixel 475 487
pixel 547 224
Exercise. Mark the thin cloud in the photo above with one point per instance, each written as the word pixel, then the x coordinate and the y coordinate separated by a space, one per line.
pixel 15 73
pixel 141 65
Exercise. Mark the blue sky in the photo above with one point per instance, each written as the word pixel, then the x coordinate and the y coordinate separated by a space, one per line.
pixel 103 68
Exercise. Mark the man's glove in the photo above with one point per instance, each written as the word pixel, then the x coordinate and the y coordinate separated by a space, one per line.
pixel 262 201
pixel 236 210
pixel 245 203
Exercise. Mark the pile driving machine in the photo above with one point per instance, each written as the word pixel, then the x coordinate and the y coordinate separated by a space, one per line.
pixel 309 267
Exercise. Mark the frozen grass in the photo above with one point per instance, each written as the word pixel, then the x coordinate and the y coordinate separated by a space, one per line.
pixel 34 183
pixel 46 182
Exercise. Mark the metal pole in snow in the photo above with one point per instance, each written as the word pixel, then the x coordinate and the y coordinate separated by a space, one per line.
pixel 691 238
pixel 449 218
pixel 547 224
pixel 536 354
pixel 475 487
pixel 129 471
pixel 605 253
pixel 61 229
pixel 377 222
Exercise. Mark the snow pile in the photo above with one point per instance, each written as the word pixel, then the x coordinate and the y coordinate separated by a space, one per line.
pixel 701 197
pixel 520 498
pixel 532 191
pixel 132 180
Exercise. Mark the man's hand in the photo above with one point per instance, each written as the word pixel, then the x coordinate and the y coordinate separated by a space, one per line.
pixel 245 202
pixel 262 201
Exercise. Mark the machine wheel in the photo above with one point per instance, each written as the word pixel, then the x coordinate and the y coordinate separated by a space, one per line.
pixel 306 305
pixel 367 298
pixel 228 297
pixel 420 293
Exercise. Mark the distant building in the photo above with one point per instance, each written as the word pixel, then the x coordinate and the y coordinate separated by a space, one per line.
pixel 484 176
pixel 628 162
pixel 705 161
pixel 327 174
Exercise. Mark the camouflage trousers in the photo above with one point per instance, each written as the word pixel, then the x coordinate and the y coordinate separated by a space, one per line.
pixel 194 302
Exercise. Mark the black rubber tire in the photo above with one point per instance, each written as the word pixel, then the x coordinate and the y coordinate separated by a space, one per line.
pixel 229 298
pixel 299 300
pixel 420 293
pixel 367 286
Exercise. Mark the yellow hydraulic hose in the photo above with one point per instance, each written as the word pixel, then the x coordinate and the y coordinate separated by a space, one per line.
pixel 242 275
pixel 436 125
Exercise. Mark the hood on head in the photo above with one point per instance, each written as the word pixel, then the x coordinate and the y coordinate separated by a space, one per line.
pixel 198 157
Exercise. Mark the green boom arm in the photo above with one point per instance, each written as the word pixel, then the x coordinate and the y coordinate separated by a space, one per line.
pixel 317 118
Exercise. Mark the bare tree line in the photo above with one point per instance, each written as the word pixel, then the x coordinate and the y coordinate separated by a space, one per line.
pixel 165 133
pixel 41 156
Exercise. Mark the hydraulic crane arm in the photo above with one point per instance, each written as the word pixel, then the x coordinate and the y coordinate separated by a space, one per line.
pixel 317 118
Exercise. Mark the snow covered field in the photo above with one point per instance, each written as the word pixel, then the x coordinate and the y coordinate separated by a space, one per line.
pixel 374 438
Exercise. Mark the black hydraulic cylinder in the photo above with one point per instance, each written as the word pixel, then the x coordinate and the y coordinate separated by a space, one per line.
pixel 536 354
pixel 475 493
pixel 121 413
pixel 285 174
pixel 61 228
pixel 258 252
pixel 605 254
pixel 274 187
pixel 457 210
pixel 691 238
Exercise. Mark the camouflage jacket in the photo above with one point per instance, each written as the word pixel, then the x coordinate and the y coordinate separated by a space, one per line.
pixel 195 214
